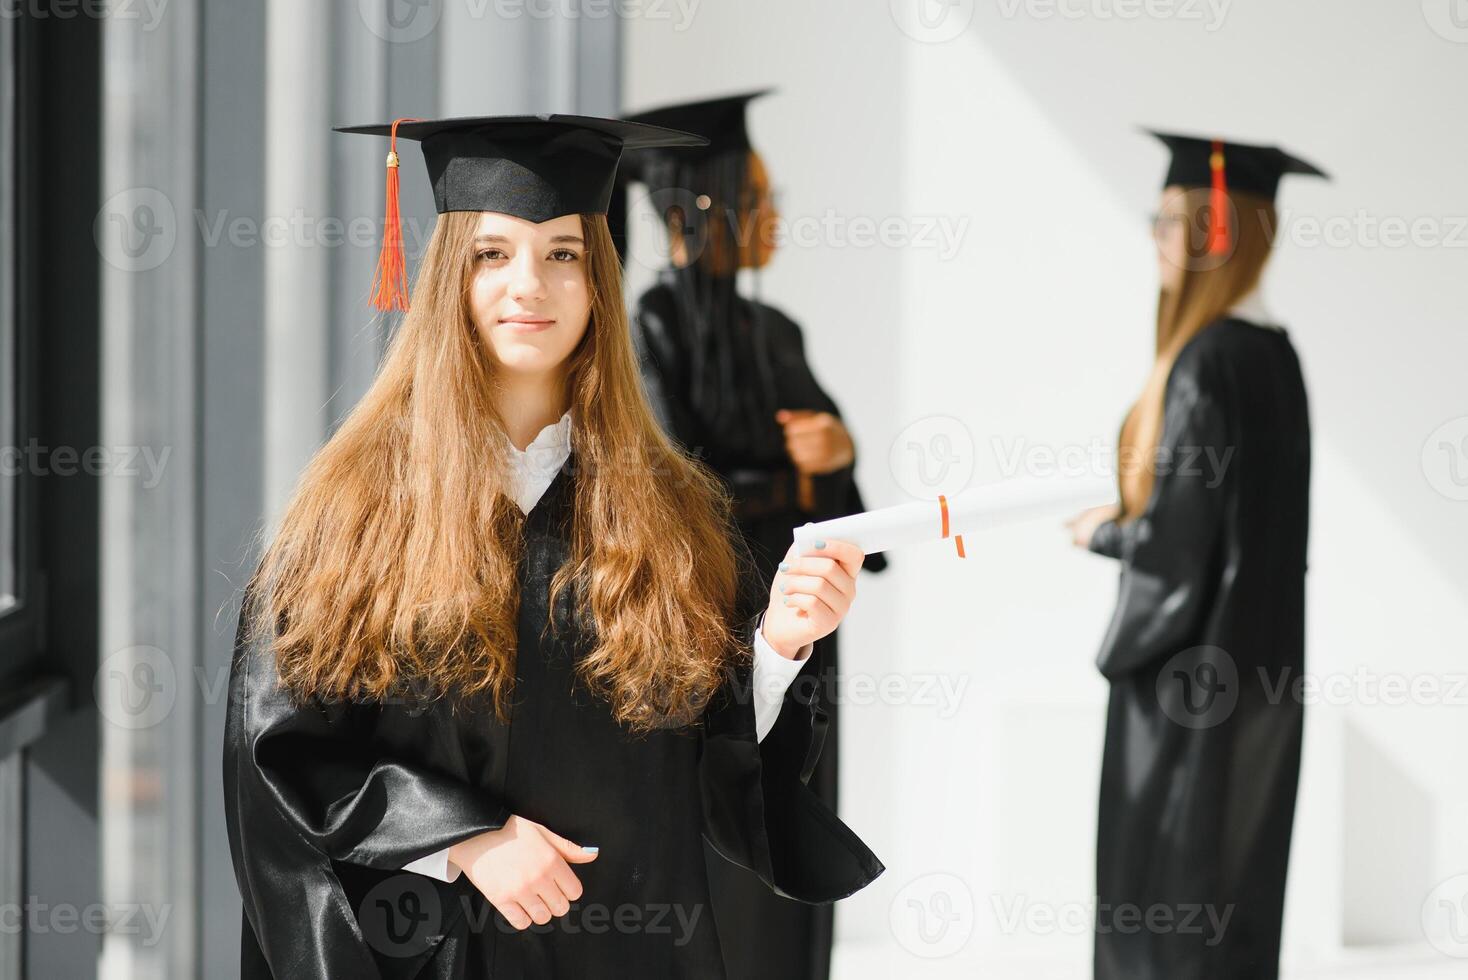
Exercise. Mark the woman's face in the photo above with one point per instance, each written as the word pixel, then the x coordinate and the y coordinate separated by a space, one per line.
pixel 1170 232
pixel 528 291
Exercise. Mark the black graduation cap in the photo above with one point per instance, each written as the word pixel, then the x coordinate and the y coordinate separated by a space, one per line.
pixel 721 120
pixel 1223 166
pixel 533 167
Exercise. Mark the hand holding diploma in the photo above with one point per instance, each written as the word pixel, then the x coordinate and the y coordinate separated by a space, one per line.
pixel 811 594
pixel 1083 525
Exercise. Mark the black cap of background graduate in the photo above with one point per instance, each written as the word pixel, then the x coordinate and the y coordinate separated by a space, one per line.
pixel 721 120
pixel 1224 166
pixel 532 167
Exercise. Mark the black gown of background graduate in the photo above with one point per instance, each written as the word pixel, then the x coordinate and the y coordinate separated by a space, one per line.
pixel 1202 756
pixel 766 371
pixel 717 367
pixel 326 802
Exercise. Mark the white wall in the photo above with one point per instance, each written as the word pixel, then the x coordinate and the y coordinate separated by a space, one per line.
pixel 1035 335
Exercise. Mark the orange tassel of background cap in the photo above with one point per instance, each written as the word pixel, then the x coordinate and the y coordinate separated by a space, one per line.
pixel 1218 236
pixel 390 284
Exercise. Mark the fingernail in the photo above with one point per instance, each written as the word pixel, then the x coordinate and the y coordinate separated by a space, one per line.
pixel 589 849
pixel 820 544
pixel 784 588
pixel 784 566
pixel 787 600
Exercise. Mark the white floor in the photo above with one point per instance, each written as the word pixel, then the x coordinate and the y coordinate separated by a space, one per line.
pixel 855 961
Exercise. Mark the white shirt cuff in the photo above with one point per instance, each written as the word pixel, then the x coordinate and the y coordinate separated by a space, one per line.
pixel 437 865
pixel 773 675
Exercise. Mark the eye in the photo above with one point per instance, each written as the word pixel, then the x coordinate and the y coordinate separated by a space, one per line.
pixel 490 255
pixel 565 255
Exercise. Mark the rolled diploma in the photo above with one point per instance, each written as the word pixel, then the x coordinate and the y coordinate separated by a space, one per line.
pixel 969 511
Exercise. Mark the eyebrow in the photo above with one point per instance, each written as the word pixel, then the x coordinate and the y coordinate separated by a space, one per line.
pixel 558 240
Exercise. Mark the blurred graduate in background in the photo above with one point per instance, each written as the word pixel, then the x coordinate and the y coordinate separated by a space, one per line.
pixel 729 377
pixel 1201 764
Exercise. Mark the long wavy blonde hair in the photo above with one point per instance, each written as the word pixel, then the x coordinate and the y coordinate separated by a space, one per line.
pixel 1209 286
pixel 396 560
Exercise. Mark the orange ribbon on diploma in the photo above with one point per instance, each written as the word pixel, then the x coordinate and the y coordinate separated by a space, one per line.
pixel 957 538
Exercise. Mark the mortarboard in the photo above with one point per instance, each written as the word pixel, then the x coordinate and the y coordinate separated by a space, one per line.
pixel 533 167
pixel 1224 166
pixel 721 120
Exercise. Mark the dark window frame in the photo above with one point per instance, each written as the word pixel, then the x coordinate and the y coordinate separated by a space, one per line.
pixel 21 629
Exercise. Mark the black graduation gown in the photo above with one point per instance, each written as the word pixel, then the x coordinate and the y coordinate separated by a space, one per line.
pixel 1202 753
pixel 327 801
pixel 771 938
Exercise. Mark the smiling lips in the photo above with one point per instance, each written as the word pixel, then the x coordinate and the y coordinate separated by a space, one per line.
pixel 526 322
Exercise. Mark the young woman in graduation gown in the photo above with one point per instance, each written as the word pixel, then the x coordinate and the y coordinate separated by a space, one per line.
pixel 729 378
pixel 428 678
pixel 1201 756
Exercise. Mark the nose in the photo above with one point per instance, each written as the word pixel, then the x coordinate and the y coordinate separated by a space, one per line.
pixel 526 282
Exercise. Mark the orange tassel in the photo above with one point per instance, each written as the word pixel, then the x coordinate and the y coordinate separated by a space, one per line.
pixel 390 283
pixel 1218 231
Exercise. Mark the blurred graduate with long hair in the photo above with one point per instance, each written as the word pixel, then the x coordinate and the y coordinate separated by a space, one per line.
pixel 1201 763
pixel 729 377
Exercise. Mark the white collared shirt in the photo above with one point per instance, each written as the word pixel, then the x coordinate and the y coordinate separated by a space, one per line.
pixel 534 468
pixel 1251 307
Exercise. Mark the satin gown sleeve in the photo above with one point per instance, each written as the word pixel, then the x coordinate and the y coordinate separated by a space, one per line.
pixel 758 810
pixel 1171 554
pixel 304 788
